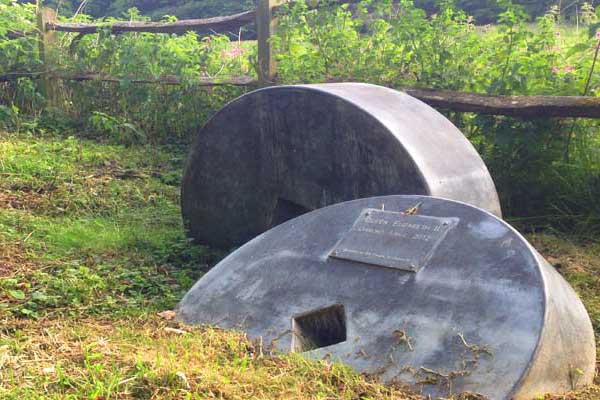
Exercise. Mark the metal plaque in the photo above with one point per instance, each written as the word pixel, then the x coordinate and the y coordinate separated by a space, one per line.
pixel 393 239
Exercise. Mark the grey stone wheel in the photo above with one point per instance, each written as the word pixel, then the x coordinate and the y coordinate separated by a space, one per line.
pixel 432 292
pixel 279 152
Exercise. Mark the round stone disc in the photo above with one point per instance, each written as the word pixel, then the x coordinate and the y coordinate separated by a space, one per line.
pixel 436 293
pixel 279 152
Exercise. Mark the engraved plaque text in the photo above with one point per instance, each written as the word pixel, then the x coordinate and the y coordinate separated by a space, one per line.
pixel 393 239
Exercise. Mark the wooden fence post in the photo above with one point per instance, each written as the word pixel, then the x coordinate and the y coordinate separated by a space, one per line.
pixel 265 27
pixel 49 86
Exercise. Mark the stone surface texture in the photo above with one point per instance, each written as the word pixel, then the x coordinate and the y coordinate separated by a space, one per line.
pixel 279 152
pixel 484 312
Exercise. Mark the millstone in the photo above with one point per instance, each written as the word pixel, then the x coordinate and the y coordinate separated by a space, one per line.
pixel 279 152
pixel 432 292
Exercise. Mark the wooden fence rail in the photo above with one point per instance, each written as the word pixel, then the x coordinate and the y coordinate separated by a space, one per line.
pixel 168 80
pixel 265 19
pixel 165 80
pixel 515 106
pixel 217 24
pixel 13 76
pixel 11 35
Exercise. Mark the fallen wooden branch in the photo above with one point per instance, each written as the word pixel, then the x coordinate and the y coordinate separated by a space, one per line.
pixel 515 106
pixel 217 24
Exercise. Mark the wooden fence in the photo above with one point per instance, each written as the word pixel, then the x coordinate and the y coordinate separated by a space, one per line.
pixel 264 18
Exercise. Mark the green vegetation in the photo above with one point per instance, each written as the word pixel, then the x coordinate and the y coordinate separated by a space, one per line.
pixel 93 257
pixel 484 11
pixel 92 251
pixel 537 164
pixel 68 200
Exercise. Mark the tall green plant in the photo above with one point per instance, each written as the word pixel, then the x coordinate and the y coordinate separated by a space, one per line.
pixel 392 43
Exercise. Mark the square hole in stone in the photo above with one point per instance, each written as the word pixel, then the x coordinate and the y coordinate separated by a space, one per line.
pixel 319 328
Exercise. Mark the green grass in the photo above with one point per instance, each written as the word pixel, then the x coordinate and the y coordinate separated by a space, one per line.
pixel 93 257
pixel 91 251
pixel 91 227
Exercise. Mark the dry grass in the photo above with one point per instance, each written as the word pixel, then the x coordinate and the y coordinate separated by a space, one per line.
pixel 152 358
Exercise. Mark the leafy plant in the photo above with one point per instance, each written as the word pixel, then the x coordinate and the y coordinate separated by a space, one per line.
pixel 397 44
pixel 115 128
pixel 392 43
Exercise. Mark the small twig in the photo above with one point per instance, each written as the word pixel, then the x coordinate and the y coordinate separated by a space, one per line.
pixel 28 236
pixel 275 341
pixel 589 78
pixel 432 372
pixel 475 348
pixel 412 210
pixel 260 347
pixel 402 337
pixel 126 381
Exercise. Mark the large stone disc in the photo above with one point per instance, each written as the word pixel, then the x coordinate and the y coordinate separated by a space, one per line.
pixel 279 152
pixel 449 299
